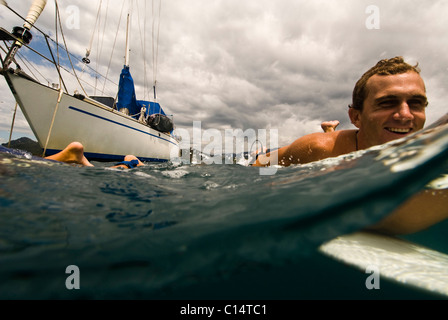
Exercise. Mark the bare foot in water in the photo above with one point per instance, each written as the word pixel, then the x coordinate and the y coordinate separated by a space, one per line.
pixel 329 126
pixel 73 153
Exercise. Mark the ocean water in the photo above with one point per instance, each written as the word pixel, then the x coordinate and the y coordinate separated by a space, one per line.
pixel 194 231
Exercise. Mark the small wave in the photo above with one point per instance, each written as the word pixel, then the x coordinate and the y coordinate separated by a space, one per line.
pixel 175 174
pixel 143 174
pixel 123 216
pixel 210 185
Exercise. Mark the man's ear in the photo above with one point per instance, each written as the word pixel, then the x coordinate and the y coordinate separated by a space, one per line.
pixel 355 117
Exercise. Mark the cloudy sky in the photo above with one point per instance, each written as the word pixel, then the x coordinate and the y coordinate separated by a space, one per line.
pixel 248 64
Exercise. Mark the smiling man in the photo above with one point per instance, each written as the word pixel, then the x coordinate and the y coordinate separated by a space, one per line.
pixel 389 102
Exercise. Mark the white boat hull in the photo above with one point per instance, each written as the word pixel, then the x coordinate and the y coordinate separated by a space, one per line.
pixel 106 134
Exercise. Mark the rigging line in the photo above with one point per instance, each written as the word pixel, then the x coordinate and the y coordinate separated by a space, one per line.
pixel 6 52
pixel 94 28
pixel 152 39
pixel 31 65
pixel 66 48
pixel 44 57
pixel 96 22
pixel 21 17
pixel 89 49
pixel 54 63
pixel 25 61
pixel 113 47
pixel 70 55
pixel 156 52
pixel 104 33
pixel 69 71
pixel 100 46
pixel 39 30
pixel 152 44
pixel 158 34
pixel 57 39
pixel 97 50
pixel 57 16
pixel 38 53
pixel 47 38
pixel 52 122
pixel 143 49
pixel 12 125
pixel 89 84
pixel 144 54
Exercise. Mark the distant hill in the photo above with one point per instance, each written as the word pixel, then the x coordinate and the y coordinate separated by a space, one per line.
pixel 26 144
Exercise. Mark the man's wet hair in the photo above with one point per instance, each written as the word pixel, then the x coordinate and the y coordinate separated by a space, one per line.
pixel 384 67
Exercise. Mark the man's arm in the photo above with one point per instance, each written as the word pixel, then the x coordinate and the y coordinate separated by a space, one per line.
pixel 418 213
pixel 312 147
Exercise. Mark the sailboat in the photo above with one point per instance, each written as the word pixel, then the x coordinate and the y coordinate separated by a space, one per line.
pixel 108 127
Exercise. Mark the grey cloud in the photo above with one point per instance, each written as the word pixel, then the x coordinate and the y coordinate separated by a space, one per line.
pixel 259 64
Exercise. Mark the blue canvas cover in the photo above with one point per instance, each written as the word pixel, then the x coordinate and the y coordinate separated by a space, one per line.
pixel 127 99
pixel 151 107
pixel 126 92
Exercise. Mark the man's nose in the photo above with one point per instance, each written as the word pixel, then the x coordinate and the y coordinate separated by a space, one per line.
pixel 404 112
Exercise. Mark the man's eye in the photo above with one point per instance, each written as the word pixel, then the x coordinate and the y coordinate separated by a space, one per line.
pixel 417 103
pixel 387 103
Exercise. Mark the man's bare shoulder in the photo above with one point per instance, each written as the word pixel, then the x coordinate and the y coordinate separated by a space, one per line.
pixel 319 145
pixel 324 141
pixel 314 147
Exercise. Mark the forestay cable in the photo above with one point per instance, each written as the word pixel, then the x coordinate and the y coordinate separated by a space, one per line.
pixel 155 51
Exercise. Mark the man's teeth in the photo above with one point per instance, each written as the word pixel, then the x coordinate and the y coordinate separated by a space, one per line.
pixel 399 130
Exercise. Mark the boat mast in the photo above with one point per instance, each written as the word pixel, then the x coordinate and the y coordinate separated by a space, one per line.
pixel 126 57
pixel 23 34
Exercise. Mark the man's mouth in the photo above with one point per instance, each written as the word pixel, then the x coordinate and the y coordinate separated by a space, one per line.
pixel 399 130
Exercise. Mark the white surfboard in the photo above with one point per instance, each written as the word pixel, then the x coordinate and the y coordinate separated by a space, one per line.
pixel 394 258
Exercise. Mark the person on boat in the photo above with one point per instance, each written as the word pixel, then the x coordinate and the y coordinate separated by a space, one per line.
pixel 389 102
pixel 74 153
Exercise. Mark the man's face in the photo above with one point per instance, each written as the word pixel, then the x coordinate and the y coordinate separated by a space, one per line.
pixel 394 107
